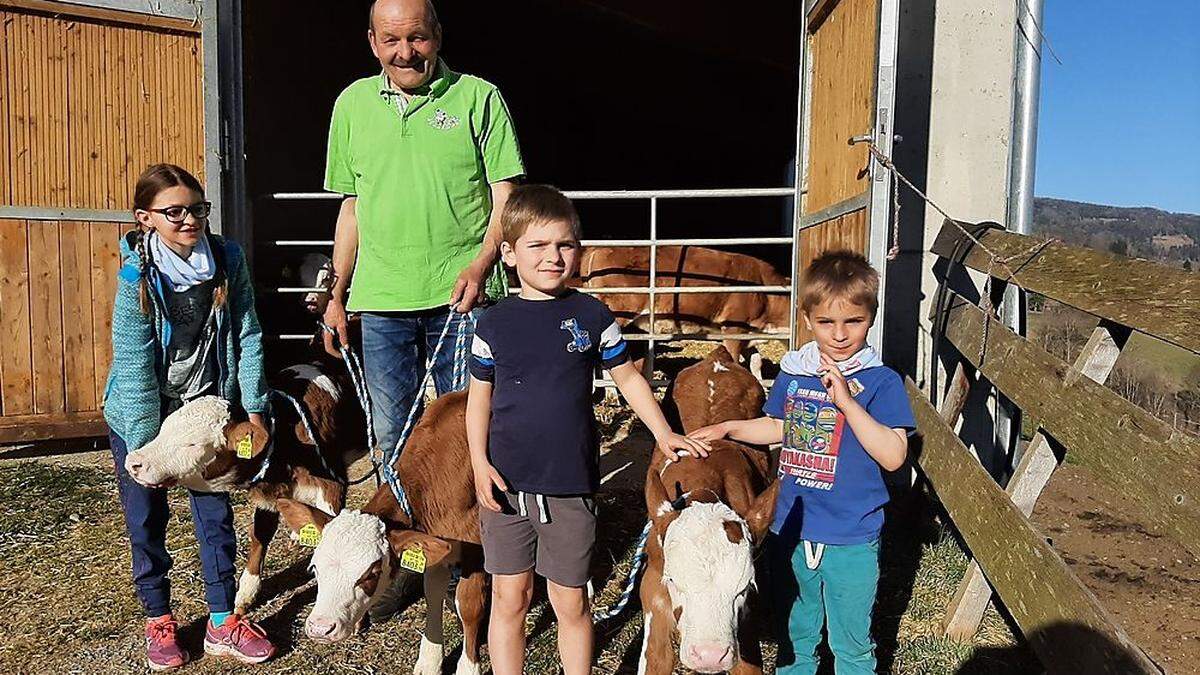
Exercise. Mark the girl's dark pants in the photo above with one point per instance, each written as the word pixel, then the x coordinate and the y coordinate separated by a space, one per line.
pixel 146 516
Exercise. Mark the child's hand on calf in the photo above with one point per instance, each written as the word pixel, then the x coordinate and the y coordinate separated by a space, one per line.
pixel 712 432
pixel 671 441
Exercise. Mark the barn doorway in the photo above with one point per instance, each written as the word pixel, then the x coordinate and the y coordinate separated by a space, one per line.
pixel 605 95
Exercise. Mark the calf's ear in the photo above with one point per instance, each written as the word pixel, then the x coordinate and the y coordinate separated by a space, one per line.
pixel 243 437
pixel 297 515
pixel 435 549
pixel 762 511
pixel 656 492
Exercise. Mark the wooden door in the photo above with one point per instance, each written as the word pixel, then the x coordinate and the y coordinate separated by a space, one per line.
pixel 848 79
pixel 88 98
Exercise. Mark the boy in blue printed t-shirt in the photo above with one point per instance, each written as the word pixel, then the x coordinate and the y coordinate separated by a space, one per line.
pixel 841 416
pixel 531 430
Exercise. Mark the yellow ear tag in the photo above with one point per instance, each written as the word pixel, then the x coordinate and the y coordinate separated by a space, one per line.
pixel 245 447
pixel 413 559
pixel 310 536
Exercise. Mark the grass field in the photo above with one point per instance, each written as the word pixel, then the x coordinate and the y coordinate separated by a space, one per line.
pixel 71 606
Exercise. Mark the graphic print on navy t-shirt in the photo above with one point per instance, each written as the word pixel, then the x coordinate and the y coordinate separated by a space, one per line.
pixel 812 435
pixel 580 340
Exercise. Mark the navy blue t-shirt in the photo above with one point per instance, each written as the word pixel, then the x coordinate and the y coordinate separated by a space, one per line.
pixel 832 491
pixel 540 356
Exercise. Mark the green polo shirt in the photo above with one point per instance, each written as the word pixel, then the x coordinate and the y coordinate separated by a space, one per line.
pixel 422 175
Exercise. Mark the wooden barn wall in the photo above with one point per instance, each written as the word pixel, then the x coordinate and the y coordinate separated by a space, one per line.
pixel 85 105
pixel 846 231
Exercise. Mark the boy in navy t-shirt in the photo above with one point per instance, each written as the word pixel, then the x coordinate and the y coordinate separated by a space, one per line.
pixel 841 416
pixel 533 438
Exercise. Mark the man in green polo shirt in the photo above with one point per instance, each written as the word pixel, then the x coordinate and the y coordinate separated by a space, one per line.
pixel 426 158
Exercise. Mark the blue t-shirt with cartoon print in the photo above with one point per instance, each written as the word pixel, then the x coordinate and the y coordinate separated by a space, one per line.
pixel 540 356
pixel 832 491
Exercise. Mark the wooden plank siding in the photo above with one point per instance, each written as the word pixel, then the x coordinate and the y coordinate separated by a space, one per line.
pixel 843 49
pixel 1066 626
pixel 89 105
pixel 87 100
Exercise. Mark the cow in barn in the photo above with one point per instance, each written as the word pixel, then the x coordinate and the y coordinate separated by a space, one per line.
pixel 714 390
pixel 707 517
pixel 202 447
pixel 361 551
pixel 618 266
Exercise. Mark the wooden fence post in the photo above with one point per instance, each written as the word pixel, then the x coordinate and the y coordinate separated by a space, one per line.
pixel 1096 362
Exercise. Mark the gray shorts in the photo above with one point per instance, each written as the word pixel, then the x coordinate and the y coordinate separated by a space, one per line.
pixel 555 533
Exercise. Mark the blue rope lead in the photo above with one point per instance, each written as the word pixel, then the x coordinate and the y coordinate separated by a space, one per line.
pixel 308 428
pixel 639 562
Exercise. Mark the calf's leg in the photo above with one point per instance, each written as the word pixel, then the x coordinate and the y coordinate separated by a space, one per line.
pixel 471 603
pixel 262 531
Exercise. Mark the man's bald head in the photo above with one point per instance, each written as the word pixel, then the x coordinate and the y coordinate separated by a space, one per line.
pixel 406 7
pixel 405 36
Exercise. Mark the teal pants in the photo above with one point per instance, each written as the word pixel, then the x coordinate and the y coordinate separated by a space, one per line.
pixel 840 592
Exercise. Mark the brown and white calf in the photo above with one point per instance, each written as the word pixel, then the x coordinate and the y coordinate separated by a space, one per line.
pixel 360 550
pixel 707 517
pixel 616 266
pixel 714 390
pixel 197 447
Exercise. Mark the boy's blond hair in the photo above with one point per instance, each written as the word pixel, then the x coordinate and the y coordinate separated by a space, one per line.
pixel 844 275
pixel 530 204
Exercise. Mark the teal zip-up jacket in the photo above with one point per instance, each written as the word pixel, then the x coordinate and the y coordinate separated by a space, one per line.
pixel 132 397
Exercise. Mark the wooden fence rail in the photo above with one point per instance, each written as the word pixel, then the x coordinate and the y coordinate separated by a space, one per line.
pixel 1122 444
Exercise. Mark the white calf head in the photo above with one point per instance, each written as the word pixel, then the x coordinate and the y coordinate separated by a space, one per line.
pixel 316 271
pixel 188 441
pixel 356 559
pixel 708 572
pixel 708 569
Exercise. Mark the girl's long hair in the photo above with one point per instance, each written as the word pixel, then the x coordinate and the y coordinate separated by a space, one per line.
pixel 155 179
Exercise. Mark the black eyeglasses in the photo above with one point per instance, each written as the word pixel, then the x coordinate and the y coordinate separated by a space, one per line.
pixel 178 214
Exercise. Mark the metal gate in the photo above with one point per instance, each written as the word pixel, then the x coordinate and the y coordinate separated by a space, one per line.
pixel 652 242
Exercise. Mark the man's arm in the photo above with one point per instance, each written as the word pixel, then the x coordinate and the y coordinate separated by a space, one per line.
pixel 468 289
pixel 345 248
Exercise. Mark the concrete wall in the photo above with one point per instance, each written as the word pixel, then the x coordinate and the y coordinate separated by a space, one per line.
pixel 970 128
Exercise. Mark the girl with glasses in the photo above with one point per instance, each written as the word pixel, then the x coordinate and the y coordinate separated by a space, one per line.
pixel 184 326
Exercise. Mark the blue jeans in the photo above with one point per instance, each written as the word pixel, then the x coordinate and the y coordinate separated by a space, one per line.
pixel 396 346
pixel 841 591
pixel 146 516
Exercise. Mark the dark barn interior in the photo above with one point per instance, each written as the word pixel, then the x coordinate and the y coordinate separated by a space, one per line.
pixel 605 95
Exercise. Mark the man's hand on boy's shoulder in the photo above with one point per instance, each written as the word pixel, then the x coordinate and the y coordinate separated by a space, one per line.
pixel 487 479
pixel 671 441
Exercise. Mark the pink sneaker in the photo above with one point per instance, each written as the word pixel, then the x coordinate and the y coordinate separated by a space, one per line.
pixel 238 638
pixel 162 652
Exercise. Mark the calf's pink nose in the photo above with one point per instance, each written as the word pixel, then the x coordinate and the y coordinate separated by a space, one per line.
pixel 710 657
pixel 319 628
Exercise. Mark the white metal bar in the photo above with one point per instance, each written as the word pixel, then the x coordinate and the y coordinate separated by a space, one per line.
pixel 641 290
pixel 639 337
pixel 648 365
pixel 689 289
pixel 173 9
pixel 594 194
pixel 732 241
pixel 214 164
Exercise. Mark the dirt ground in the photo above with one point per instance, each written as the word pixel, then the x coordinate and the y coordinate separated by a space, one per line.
pixel 70 606
pixel 1149 583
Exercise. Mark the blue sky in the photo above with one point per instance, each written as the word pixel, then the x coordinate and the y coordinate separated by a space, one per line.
pixel 1120 119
